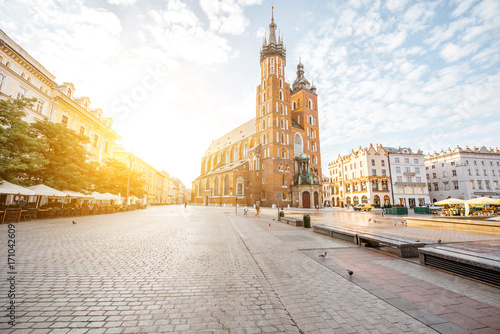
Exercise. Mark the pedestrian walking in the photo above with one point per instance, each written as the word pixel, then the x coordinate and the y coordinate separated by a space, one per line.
pixel 245 211
pixel 257 209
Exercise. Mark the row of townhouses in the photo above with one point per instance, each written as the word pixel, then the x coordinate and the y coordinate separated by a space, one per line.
pixel 21 76
pixel 401 176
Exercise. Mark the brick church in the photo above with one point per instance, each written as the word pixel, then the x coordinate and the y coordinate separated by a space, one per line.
pixel 275 157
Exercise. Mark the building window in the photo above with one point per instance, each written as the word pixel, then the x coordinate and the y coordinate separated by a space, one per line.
pixel 396 160
pixel 436 186
pixel 39 106
pixel 383 162
pixel 417 170
pixel 96 140
pixel 407 160
pixel 384 172
pixel 21 93
pixel 82 130
pixel 453 173
pixel 446 185
pixel 399 179
pixel 373 162
pixel 374 172
pixel 2 82
pixel 434 175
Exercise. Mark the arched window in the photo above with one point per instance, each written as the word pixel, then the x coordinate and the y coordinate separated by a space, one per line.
pixel 207 184
pixel 263 96
pixel 281 109
pixel 294 105
pixel 310 104
pixel 281 95
pixel 281 80
pixel 282 123
pixel 298 145
pixel 216 186
pixel 226 185
pixel 245 151
pixel 272 65
pixel 235 154
pixel 263 84
pixel 7 64
pixel 280 167
pixel 283 138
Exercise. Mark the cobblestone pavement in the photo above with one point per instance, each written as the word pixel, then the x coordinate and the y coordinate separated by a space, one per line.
pixel 207 270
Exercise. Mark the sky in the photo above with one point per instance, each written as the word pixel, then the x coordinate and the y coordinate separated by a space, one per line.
pixel 176 74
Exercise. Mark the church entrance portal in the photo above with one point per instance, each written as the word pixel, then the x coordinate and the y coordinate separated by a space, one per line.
pixel 306 199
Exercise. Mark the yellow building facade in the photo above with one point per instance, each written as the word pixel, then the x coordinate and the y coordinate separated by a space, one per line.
pixel 21 76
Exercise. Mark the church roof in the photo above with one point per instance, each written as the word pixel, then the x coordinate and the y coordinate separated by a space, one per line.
pixel 234 136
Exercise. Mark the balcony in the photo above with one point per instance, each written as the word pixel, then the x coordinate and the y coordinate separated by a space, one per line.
pixel 409 174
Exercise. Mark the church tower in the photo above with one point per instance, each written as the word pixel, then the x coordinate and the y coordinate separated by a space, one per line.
pixel 273 120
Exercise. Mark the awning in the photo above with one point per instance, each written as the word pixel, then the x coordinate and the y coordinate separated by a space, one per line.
pixel 13 189
pixel 450 201
pixel 483 201
pixel 43 190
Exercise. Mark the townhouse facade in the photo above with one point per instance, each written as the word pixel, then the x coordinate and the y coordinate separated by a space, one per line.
pixel 408 177
pixel 463 173
pixel 361 177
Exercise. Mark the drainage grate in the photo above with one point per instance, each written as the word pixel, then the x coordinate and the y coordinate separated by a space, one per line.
pixel 463 269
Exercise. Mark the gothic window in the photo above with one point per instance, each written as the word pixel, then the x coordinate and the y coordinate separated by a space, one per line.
pixel 281 109
pixel 310 104
pixel 281 81
pixel 297 145
pixel 263 124
pixel 245 151
pixel 281 98
pixel 283 138
pixel 239 189
pixel 272 65
pixel 282 123
pixel 216 186
pixel 226 185
pixel 207 184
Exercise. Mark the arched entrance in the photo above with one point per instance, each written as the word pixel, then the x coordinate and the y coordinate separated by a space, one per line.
pixel 316 199
pixel 387 200
pixel 376 200
pixel 306 199
pixel 355 200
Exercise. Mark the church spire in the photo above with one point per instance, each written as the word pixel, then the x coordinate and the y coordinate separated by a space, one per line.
pixel 272 47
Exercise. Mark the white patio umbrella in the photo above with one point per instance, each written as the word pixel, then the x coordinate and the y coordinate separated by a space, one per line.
pixel 13 189
pixel 41 190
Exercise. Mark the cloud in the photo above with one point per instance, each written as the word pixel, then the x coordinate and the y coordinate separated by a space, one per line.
pixel 122 2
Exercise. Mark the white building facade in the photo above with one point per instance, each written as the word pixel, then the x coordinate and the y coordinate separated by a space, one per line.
pixel 361 177
pixel 463 173
pixel 408 177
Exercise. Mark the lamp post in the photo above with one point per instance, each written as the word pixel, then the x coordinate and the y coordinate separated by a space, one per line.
pixel 128 179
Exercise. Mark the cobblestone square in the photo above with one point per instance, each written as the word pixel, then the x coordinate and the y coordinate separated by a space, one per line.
pixel 171 269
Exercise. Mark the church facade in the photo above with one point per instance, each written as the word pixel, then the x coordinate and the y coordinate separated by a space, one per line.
pixel 275 157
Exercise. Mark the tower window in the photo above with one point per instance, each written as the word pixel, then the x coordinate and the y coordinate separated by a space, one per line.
pixel 272 65
pixel 281 81
pixel 281 95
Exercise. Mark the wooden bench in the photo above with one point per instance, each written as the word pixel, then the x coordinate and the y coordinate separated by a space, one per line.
pixel 337 232
pixel 403 248
pixel 292 221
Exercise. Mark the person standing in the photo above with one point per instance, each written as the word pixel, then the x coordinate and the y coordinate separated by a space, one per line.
pixel 245 211
pixel 257 209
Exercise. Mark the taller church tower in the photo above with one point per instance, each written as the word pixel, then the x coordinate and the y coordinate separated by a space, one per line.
pixel 273 120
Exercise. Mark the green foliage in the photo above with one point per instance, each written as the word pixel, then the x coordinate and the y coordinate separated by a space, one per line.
pixel 67 167
pixel 113 177
pixel 50 153
pixel 19 146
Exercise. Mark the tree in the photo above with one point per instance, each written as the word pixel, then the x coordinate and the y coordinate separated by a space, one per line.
pixel 19 147
pixel 67 167
pixel 114 177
